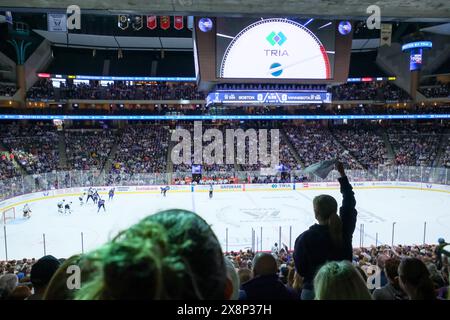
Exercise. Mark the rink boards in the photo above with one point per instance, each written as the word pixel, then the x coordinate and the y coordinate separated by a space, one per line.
pixel 270 187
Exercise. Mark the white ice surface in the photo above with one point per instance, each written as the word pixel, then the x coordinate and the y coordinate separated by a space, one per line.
pixel 238 212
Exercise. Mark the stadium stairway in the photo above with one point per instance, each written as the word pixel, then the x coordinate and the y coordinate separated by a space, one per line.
pixel 445 139
pixel 112 154
pixel 169 160
pixel 336 141
pixel 291 148
pixel 62 150
pixel 389 148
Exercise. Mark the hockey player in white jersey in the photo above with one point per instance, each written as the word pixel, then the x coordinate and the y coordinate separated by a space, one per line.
pixel 26 211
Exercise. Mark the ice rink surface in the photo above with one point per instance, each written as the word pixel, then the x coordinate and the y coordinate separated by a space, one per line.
pixel 236 212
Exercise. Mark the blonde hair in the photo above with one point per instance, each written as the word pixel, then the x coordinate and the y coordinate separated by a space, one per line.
pixel 325 208
pixel 340 281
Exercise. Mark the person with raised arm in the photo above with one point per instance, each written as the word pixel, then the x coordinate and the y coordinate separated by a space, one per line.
pixel 330 239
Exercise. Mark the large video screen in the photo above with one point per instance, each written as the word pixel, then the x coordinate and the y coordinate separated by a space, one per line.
pixel 275 48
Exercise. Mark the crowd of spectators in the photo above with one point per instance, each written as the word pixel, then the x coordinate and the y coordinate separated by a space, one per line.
pixel 7 90
pixel 34 147
pixel 272 87
pixel 315 143
pixel 141 149
pixel 446 155
pixel 365 144
pixel 375 91
pixel 440 90
pixel 42 90
pixel 117 90
pixel 7 168
pixel 415 145
pixel 88 150
pixel 384 91
pixel 30 278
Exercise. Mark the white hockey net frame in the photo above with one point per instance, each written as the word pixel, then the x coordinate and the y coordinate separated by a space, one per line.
pixel 7 215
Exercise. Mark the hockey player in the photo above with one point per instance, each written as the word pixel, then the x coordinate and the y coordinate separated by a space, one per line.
pixel 210 190
pixel 100 204
pixel 164 190
pixel 96 196
pixel 81 198
pixel 61 206
pixel 67 208
pixel 26 211
pixel 90 195
pixel 111 193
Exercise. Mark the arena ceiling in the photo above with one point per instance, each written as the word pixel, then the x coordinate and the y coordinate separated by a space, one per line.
pixel 404 10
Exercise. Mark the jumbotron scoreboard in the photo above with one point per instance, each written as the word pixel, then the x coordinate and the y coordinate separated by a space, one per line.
pixel 271 50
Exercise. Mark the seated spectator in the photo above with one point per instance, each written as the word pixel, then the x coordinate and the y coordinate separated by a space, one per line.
pixel 245 274
pixel 232 280
pixel 58 289
pixel 435 276
pixel 20 293
pixel 173 254
pixel 415 279
pixel 265 283
pixel 392 290
pixel 41 274
pixel 8 283
pixel 340 281
pixel 330 239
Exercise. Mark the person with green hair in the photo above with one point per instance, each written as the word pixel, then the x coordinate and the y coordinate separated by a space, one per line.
pixel 171 255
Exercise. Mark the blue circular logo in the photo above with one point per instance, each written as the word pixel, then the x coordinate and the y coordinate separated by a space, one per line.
pixel 205 24
pixel 345 27
pixel 278 72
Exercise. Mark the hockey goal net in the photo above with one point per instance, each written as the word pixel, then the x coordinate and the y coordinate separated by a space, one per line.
pixel 8 215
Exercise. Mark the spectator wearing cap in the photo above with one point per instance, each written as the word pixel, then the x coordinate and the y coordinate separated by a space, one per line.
pixel 41 274
pixel 265 283
pixel 439 251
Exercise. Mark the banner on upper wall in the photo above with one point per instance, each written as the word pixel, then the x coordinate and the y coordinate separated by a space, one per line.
pixel 178 22
pixel 123 21
pixel 386 34
pixel 152 22
pixel 57 22
pixel 137 22
pixel 165 22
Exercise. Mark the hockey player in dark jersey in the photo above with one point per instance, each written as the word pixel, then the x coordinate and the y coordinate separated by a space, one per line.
pixel 164 190
pixel 100 204
pixel 67 208
pixel 211 191
pixel 96 196
pixel 111 193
